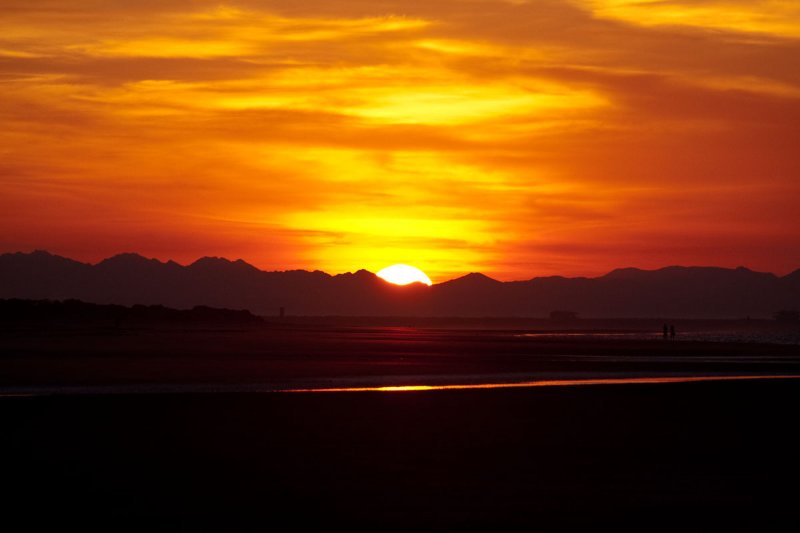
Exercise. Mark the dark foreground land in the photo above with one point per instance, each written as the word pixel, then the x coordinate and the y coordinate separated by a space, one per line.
pixel 117 427
pixel 649 457
pixel 36 356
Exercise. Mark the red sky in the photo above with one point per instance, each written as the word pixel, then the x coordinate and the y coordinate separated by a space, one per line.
pixel 516 138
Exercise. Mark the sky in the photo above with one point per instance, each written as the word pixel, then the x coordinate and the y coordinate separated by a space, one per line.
pixel 510 137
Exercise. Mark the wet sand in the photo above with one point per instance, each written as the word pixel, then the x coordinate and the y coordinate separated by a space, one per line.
pixel 303 357
pixel 646 456
pixel 639 455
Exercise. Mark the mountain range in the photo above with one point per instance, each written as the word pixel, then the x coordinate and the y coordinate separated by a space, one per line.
pixel 129 279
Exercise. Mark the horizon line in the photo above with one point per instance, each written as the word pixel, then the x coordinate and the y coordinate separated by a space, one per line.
pixel 241 260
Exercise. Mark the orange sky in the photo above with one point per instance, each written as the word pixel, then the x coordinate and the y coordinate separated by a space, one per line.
pixel 516 138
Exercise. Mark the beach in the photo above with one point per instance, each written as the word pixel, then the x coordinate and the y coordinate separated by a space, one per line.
pixel 646 455
pixel 208 429
pixel 154 357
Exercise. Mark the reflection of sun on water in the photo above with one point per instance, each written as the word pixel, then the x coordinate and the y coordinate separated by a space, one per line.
pixel 407 388
pixel 554 383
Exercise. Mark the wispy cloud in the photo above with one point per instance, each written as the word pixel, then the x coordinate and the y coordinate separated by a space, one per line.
pixel 518 138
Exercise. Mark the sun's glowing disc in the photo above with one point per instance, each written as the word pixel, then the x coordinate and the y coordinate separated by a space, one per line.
pixel 403 275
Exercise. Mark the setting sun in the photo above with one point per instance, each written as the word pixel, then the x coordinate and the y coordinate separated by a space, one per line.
pixel 403 275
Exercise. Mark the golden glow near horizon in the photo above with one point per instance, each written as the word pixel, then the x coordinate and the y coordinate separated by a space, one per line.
pixel 550 383
pixel 403 275
pixel 509 137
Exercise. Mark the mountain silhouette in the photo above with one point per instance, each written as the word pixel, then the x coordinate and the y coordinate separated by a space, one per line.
pixel 793 279
pixel 473 280
pixel 130 279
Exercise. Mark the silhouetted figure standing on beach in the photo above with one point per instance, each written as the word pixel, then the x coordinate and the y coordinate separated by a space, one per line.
pixel 672 331
pixel 666 330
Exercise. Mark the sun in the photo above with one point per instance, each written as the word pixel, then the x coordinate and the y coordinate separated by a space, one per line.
pixel 403 275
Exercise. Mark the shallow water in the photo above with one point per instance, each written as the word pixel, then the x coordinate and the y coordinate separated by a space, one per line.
pixel 393 384
pixel 546 383
pixel 787 336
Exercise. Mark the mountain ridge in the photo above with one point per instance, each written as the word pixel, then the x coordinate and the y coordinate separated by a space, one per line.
pixel 130 279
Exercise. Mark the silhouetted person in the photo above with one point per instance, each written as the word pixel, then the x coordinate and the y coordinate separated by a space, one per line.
pixel 666 331
pixel 672 332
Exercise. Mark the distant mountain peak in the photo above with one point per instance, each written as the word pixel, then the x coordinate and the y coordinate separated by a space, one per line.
pixel 40 253
pixel 127 257
pixel 219 263
pixel 130 262
pixel 40 258
pixel 361 273
pixel 678 272
pixel 34 254
pixel 622 273
pixel 629 272
pixel 474 279
pixel 211 260
pixel 793 275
